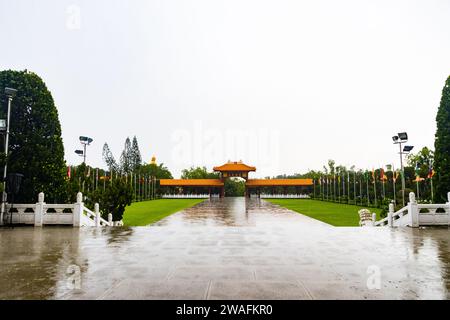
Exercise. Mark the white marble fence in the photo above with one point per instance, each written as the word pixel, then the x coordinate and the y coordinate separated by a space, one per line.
pixel 418 214
pixel 284 196
pixel 190 196
pixel 41 213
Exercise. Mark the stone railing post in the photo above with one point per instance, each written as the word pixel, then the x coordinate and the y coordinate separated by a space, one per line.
pixel 39 211
pixel 413 211
pixel 391 215
pixel 78 210
pixel 374 218
pixel 110 221
pixel 97 215
pixel 448 207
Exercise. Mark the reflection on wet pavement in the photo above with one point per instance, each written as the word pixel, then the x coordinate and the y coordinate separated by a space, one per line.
pixel 228 248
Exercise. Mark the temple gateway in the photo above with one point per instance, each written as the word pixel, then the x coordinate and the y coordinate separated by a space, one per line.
pixel 237 169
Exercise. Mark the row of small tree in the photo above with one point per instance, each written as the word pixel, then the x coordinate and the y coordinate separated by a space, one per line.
pixel 375 187
pixel 127 181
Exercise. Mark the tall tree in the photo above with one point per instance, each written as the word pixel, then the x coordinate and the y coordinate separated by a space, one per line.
pixel 331 164
pixel 35 146
pixel 136 158
pixel 127 158
pixel 109 158
pixel 442 145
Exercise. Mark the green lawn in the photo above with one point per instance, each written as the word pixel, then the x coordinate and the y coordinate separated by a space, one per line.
pixel 147 212
pixel 336 214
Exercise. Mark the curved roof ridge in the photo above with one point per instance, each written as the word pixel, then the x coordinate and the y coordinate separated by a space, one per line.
pixel 234 166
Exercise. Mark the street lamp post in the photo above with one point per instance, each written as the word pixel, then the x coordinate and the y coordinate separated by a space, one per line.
pixel 399 139
pixel 10 93
pixel 85 141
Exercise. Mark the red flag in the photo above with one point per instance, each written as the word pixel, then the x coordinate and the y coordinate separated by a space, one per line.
pixel 383 177
pixel 430 172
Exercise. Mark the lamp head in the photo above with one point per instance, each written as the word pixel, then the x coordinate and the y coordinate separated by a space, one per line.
pixel 86 140
pixel 407 148
pixel 403 136
pixel 10 92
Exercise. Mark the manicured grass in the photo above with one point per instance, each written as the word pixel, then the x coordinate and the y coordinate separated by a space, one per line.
pixel 336 214
pixel 147 212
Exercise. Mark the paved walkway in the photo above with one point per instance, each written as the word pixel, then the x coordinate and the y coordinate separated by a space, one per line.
pixel 226 249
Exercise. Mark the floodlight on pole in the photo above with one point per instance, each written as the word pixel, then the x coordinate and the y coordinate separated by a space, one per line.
pixel 407 149
pixel 400 138
pixel 85 141
pixel 403 136
pixel 10 93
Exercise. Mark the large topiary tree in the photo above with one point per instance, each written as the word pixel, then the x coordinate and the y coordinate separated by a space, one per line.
pixel 35 145
pixel 442 145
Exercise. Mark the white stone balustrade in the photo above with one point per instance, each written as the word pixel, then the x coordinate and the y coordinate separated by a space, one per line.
pixel 41 214
pixel 284 196
pixel 189 196
pixel 418 214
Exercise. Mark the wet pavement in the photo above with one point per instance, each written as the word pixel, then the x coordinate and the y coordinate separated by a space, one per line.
pixel 228 248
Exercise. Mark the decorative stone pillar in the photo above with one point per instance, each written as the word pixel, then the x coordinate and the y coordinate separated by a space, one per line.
pixel 448 207
pixel 78 210
pixel 391 215
pixel 413 211
pixel 39 211
pixel 97 215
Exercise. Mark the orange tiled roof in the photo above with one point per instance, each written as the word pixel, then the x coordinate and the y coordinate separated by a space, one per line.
pixel 191 182
pixel 234 166
pixel 278 182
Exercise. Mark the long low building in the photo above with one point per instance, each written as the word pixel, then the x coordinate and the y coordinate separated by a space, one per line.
pixel 249 183
pixel 236 169
pixel 191 182
pixel 278 182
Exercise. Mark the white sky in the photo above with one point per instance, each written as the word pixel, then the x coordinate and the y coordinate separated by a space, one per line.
pixel 306 80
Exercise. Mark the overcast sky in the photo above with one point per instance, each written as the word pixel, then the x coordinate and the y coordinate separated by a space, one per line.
pixel 282 85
